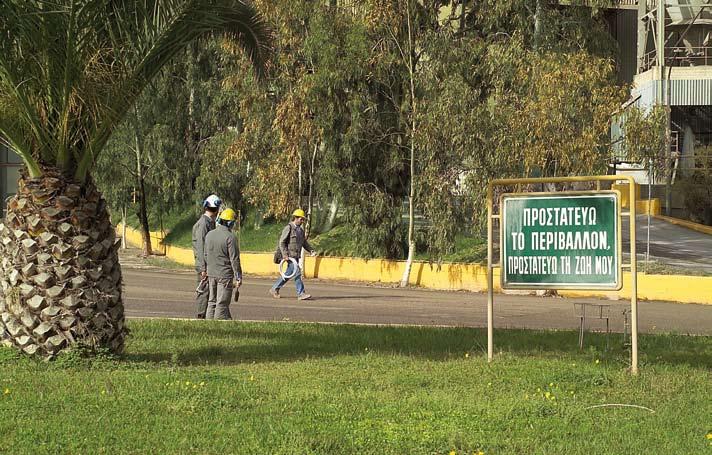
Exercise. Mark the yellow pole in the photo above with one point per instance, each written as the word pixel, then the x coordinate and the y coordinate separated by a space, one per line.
pixel 633 254
pixel 634 281
pixel 490 280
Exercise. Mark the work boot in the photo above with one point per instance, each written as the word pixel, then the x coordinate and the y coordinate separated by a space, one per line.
pixel 274 293
pixel 304 296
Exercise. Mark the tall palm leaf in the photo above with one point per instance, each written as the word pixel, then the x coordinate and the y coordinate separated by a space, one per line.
pixel 69 72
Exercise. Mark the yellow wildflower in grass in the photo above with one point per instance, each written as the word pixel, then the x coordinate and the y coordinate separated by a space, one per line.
pixel 202 383
pixel 708 435
pixel 597 361
pixel 467 354
pixel 547 395
pixel 551 384
pixel 252 377
pixel 479 452
pixel 452 452
pixel 6 391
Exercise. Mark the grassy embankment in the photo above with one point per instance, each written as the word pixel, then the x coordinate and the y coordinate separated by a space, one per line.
pixel 197 387
pixel 336 242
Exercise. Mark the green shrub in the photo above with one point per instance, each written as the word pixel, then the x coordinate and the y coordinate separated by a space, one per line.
pixel 697 188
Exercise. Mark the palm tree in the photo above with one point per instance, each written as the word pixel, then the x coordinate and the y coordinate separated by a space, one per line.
pixel 69 72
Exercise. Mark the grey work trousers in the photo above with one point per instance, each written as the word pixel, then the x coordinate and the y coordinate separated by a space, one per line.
pixel 201 301
pixel 219 299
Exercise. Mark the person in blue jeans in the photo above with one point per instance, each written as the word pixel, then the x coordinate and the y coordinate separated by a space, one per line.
pixel 291 242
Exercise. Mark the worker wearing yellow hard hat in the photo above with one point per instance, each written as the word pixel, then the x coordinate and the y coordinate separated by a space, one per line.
pixel 222 257
pixel 289 249
pixel 228 217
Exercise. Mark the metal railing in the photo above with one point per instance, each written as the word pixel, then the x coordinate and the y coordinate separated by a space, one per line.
pixel 682 56
pixel 613 4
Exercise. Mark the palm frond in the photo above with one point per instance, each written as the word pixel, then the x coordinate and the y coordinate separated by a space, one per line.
pixel 160 30
pixel 71 69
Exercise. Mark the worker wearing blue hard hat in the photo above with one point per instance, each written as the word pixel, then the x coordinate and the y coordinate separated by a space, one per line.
pixel 205 224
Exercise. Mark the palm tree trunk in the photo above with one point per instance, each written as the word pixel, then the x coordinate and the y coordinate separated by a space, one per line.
pixel 60 276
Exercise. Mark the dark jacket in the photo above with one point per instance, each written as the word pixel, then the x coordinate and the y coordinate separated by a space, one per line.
pixel 201 228
pixel 222 254
pixel 292 241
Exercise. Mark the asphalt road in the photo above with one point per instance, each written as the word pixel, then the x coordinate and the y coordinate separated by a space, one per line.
pixel 153 292
pixel 671 244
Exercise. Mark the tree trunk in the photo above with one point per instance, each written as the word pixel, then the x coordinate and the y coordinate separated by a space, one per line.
pixel 299 183
pixel 141 181
pixel 60 275
pixel 538 24
pixel 143 218
pixel 123 227
pixel 310 200
pixel 310 203
pixel 670 160
pixel 333 210
pixel 259 219
pixel 192 134
pixel 411 197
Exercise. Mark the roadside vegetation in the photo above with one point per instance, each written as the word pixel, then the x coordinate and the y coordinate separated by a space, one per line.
pixel 262 237
pixel 339 242
pixel 303 388
pixel 369 111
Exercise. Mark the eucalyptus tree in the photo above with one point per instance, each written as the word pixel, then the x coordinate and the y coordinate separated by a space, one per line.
pixel 70 71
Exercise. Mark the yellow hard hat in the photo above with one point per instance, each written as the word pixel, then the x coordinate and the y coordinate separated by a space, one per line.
pixel 300 213
pixel 228 215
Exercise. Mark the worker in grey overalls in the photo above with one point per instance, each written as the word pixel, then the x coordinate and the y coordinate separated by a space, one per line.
pixel 205 224
pixel 223 261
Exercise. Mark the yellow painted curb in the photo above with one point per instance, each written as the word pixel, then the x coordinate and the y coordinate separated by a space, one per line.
pixel 688 224
pixel 452 277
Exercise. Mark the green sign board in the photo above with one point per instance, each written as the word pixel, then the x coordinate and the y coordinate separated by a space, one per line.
pixel 560 241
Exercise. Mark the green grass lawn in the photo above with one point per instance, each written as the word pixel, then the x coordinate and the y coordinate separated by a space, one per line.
pixel 212 387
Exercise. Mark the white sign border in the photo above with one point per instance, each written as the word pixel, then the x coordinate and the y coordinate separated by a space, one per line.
pixel 614 286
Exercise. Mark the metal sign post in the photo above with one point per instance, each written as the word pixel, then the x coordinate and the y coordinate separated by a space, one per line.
pixel 560 240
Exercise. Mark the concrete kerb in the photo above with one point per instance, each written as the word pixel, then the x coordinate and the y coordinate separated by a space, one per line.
pixel 687 224
pixel 448 276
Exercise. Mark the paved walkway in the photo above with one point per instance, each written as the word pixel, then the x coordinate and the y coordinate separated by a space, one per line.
pixel 154 292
